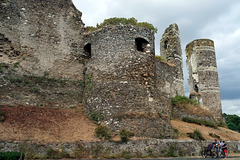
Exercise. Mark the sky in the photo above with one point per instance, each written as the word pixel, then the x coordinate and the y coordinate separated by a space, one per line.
pixel 218 20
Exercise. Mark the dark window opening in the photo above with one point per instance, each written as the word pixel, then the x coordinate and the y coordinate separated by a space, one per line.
pixel 166 44
pixel 141 44
pixel 87 50
pixel 195 88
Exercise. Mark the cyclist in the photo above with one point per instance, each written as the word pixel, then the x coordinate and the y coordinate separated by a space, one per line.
pixel 216 148
pixel 224 147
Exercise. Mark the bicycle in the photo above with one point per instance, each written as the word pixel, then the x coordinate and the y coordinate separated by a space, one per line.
pixel 205 153
pixel 222 154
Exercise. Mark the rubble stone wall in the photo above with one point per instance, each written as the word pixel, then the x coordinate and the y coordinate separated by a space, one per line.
pixel 48 34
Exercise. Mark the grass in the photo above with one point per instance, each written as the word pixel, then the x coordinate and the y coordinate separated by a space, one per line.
pixel 190 106
pixel 200 122
pixel 122 21
pixel 197 135
pixel 214 135
pixel 183 100
pixel 102 132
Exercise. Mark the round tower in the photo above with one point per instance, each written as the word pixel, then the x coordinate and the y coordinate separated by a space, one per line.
pixel 203 75
pixel 120 81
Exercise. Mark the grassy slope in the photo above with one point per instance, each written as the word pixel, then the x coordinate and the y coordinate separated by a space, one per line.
pixel 184 128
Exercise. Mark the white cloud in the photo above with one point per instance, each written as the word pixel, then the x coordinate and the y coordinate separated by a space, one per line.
pixel 231 106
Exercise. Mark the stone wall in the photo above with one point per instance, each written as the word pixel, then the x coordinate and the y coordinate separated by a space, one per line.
pixel 203 74
pixel 170 48
pixel 167 82
pixel 139 149
pixel 49 35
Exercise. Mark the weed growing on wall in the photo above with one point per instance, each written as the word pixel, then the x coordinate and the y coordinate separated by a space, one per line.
pixel 123 21
pixel 183 100
pixel 97 116
pixel 2 116
pixel 171 152
pixel 162 59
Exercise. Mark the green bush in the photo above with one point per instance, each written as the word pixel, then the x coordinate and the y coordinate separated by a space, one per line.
pixel 171 152
pixel 200 122
pixel 103 132
pixel 2 116
pixel 11 156
pixel 126 154
pixel 97 116
pixel 183 100
pixel 123 21
pixel 197 135
pixel 125 135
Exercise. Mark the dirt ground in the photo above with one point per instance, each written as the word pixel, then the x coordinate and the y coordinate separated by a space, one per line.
pixel 46 125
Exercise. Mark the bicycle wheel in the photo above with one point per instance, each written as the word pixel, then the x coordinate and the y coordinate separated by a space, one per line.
pixel 204 154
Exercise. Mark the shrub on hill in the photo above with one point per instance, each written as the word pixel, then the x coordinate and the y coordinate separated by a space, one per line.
pixel 199 122
pixel 103 132
pixel 190 106
pixel 197 135
pixel 126 135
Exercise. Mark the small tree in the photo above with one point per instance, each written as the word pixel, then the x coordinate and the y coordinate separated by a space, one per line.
pixel 126 135
pixel 103 132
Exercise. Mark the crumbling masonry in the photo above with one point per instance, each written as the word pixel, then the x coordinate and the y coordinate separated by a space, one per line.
pixel 124 82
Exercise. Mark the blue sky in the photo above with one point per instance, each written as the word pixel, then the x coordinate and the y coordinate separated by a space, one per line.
pixel 218 20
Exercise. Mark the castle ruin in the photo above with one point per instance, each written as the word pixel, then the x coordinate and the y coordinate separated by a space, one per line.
pixel 123 79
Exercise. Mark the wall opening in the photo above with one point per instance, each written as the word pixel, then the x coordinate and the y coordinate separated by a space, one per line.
pixel 166 44
pixel 87 50
pixel 141 44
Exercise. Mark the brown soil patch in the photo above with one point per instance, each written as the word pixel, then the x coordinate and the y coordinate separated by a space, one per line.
pixel 185 128
pixel 46 124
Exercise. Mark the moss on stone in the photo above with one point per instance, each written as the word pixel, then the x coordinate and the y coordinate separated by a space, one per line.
pixel 198 43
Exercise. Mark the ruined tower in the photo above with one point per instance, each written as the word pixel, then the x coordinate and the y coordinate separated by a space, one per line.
pixel 203 76
pixel 170 48
pixel 122 72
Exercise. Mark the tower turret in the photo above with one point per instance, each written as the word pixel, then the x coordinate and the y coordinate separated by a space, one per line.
pixel 203 75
